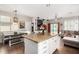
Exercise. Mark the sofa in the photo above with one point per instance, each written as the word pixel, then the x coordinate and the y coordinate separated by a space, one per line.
pixel 71 41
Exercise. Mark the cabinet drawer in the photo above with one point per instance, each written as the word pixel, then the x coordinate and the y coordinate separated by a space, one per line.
pixel 43 51
pixel 42 43
pixel 42 47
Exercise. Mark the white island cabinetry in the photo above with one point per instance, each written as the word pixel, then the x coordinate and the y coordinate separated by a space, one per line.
pixel 54 43
pixel 47 46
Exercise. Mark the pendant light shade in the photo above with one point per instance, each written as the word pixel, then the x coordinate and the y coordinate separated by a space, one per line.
pixel 15 18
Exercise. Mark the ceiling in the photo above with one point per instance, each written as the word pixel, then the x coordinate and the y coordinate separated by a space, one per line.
pixel 41 10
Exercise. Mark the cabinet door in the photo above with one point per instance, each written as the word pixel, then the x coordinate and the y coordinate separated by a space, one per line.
pixel 57 41
pixel 50 45
pixel 43 47
pixel 54 43
pixel 30 47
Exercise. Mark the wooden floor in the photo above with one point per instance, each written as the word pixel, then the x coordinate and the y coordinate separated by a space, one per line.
pixel 19 49
pixel 64 49
pixel 67 50
pixel 15 49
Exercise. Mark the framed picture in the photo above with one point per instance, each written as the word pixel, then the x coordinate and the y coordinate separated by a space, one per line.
pixel 22 24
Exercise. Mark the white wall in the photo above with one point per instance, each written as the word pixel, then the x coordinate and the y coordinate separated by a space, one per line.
pixel 28 25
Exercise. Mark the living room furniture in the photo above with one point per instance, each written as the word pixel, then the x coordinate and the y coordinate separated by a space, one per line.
pixel 1 37
pixel 71 41
pixel 13 38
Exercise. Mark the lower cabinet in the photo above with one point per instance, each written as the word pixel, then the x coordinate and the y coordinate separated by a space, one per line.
pixel 45 47
pixel 30 47
pixel 51 45
pixel 54 43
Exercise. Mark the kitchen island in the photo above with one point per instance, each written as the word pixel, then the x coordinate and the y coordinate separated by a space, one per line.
pixel 41 43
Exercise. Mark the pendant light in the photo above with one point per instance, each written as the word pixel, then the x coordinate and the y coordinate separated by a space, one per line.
pixel 48 5
pixel 15 18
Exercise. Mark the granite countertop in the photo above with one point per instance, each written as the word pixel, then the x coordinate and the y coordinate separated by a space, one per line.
pixel 38 37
